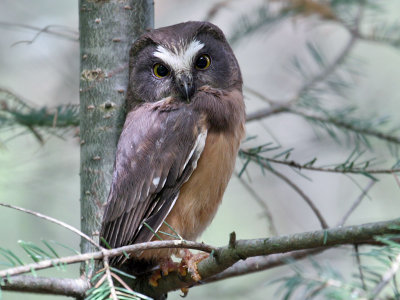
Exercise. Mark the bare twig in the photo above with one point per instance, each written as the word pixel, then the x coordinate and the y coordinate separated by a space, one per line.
pixel 266 112
pixel 330 69
pixel 71 35
pixel 307 199
pixel 262 203
pixel 397 179
pixel 357 202
pixel 260 263
pixel 58 222
pixel 213 11
pixel 360 271
pixel 259 95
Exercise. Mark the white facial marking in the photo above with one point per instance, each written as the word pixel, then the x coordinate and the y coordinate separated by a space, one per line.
pixel 181 59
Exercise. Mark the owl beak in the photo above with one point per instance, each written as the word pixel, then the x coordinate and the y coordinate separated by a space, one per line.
pixel 186 87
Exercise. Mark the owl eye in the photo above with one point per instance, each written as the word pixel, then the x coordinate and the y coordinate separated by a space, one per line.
pixel 203 62
pixel 160 70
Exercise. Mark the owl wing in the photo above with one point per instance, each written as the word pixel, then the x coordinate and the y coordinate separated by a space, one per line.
pixel 157 152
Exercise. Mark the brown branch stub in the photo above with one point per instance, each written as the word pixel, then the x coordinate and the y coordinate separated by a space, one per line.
pixel 232 240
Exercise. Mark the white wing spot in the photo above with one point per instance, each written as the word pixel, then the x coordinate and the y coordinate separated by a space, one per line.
pixel 182 59
pixel 197 148
pixel 156 181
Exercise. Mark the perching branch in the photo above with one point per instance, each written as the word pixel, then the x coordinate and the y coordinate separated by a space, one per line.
pixel 224 257
pixel 49 263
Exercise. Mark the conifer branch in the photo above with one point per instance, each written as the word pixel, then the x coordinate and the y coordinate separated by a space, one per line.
pixel 224 257
pixel 345 168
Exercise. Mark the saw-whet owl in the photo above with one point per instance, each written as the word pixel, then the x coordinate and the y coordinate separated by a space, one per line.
pixel 180 140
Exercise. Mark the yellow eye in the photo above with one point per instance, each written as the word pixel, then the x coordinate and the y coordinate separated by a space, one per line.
pixel 160 70
pixel 203 62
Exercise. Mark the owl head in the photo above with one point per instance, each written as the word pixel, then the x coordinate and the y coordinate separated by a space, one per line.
pixel 178 60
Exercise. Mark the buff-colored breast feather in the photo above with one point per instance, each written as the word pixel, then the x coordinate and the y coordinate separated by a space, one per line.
pixel 201 195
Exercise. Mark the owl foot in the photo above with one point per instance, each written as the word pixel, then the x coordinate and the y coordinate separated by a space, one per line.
pixel 166 266
pixel 190 261
pixel 153 279
pixel 185 292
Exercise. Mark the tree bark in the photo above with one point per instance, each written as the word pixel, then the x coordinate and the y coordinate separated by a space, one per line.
pixel 107 30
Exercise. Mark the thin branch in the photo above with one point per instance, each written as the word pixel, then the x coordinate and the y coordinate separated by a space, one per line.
pixel 357 202
pixel 45 264
pixel 327 71
pixel 266 112
pixel 299 166
pixel 345 125
pixel 214 10
pixel 397 179
pixel 261 202
pixel 307 199
pixel 261 263
pixel 72 35
pixel 58 222
pixel 339 59
pixel 360 270
pixel 259 95
pixel 274 109
pixel 386 277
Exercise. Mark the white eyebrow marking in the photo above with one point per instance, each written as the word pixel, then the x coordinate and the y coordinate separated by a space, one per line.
pixel 181 60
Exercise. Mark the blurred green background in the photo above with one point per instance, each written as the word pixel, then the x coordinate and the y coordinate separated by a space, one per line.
pixel 45 178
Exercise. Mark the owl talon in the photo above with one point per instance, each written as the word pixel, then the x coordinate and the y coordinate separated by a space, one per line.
pixel 153 280
pixel 168 266
pixel 190 261
pixel 185 292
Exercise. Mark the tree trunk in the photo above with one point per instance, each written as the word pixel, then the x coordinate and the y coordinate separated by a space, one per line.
pixel 107 30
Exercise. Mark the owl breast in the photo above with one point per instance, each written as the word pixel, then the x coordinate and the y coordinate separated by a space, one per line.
pixel 201 195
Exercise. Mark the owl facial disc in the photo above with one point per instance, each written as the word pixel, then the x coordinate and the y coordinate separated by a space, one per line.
pixel 180 59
